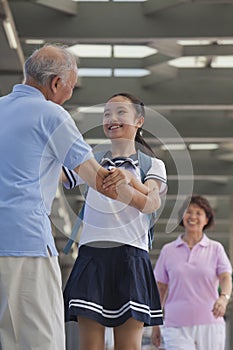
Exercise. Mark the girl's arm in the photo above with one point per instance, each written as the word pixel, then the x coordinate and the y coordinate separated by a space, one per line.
pixel 121 185
pixel 93 174
pixel 156 332
pixel 144 197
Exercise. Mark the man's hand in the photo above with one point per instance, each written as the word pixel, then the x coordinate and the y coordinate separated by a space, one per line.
pixel 114 179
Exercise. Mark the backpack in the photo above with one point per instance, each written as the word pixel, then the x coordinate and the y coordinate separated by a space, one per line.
pixel 145 163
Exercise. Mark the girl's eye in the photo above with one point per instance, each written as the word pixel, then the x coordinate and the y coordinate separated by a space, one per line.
pixel 121 112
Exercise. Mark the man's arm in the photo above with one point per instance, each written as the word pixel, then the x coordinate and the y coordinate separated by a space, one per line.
pixel 94 174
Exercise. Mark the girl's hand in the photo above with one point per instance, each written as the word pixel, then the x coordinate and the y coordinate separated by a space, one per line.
pixel 116 178
pixel 124 186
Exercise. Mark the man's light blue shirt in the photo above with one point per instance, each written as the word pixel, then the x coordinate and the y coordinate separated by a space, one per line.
pixel 36 138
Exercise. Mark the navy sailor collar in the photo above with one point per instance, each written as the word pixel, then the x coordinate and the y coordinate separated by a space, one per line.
pixel 119 161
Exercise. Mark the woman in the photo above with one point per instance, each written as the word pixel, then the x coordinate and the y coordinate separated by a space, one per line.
pixel 112 282
pixel 189 271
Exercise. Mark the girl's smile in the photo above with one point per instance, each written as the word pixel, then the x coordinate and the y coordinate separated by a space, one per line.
pixel 115 126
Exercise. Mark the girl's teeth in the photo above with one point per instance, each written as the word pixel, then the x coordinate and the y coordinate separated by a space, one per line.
pixel 114 127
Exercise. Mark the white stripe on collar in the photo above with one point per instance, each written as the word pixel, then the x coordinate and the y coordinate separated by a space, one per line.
pixel 117 162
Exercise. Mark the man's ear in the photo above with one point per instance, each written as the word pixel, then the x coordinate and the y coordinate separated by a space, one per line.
pixel 54 84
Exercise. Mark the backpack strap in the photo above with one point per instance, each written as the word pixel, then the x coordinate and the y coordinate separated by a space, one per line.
pixel 75 229
pixel 145 163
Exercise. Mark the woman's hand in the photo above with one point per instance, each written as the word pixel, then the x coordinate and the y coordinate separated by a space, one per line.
pixel 225 283
pixel 220 306
pixel 156 336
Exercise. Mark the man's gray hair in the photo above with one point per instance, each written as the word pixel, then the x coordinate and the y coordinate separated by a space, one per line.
pixel 48 62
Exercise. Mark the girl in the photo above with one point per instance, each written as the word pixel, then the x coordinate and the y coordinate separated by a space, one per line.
pixel 112 282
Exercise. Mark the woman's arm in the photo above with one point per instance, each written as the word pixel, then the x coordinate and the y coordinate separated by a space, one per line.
pixel 225 282
pixel 163 289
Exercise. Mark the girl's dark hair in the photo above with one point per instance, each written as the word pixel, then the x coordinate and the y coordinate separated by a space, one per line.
pixel 201 202
pixel 140 143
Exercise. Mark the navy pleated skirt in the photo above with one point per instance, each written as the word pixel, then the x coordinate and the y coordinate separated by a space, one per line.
pixel 111 285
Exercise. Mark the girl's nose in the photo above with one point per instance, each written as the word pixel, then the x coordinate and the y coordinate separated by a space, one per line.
pixel 113 118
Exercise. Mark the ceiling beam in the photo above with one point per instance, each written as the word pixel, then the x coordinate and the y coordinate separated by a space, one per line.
pixel 113 63
pixel 155 59
pixel 167 47
pixel 213 49
pixel 152 7
pixel 161 72
pixel 190 92
pixel 176 22
pixel 65 6
pixel 186 93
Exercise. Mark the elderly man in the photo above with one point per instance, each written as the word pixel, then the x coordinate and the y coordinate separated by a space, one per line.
pixel 37 137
